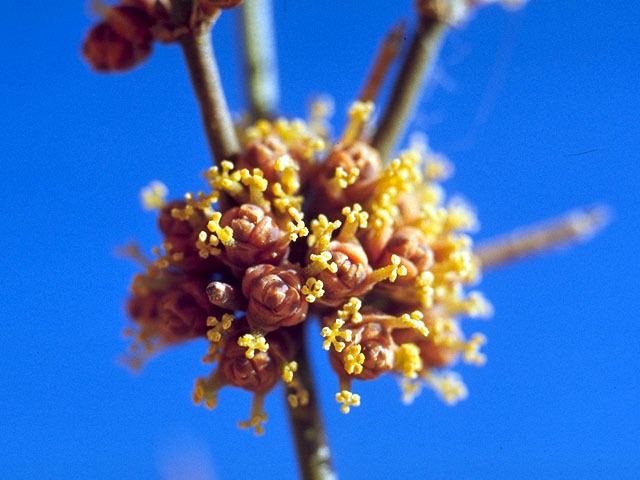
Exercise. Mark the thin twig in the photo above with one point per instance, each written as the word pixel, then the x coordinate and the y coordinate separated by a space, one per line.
pixel 386 54
pixel 314 457
pixel 260 61
pixel 571 227
pixel 424 49
pixel 205 77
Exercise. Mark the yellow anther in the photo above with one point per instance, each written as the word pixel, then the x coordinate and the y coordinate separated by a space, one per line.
pixel 253 342
pixel 410 390
pixel 313 289
pixel 322 261
pixel 476 305
pixel 449 386
pixel 471 350
pixel 350 311
pixel 225 235
pixel 354 218
pixel 296 228
pixel 321 231
pixel 424 288
pixel 289 170
pixel 346 399
pixel 437 168
pixel 407 360
pixel 218 327
pixel 154 195
pixel 334 333
pixel 258 417
pixel 390 272
pixel 206 391
pixel 224 178
pixel 298 399
pixel 343 178
pixel 460 217
pixel 359 114
pixel 353 359
pixel 288 369
pixel 414 320
pixel 207 245
pixel 283 201
pixel 257 186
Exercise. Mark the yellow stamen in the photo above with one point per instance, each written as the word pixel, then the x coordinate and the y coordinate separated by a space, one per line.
pixel 347 400
pixel 350 311
pixel 322 261
pixel 407 360
pixel 288 369
pixel 333 333
pixel 257 418
pixel 154 195
pixel 359 114
pixel 355 218
pixel 390 272
pixel 218 327
pixel 296 228
pixel 353 359
pixel 321 231
pixel 313 289
pixel 253 342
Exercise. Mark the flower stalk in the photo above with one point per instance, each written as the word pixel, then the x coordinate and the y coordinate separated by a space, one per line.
pixel 260 65
pixel 312 449
pixel 205 77
pixel 572 227
pixel 408 87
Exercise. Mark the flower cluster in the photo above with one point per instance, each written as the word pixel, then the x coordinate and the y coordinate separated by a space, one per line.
pixel 297 228
pixel 125 35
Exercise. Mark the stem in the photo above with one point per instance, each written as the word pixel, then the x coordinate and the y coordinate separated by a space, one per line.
pixel 571 227
pixel 386 54
pixel 314 458
pixel 424 49
pixel 260 57
pixel 218 126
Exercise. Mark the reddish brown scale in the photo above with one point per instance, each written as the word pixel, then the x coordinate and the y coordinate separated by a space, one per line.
pixel 183 310
pixel 410 245
pixel 350 280
pixel 261 373
pixel 131 22
pixel 433 355
pixel 257 238
pixel 274 297
pixel 107 51
pixel 182 235
pixel 263 154
pixel 377 345
pixel 359 155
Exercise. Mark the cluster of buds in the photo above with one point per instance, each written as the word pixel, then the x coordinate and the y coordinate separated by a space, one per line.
pixel 124 37
pixel 296 229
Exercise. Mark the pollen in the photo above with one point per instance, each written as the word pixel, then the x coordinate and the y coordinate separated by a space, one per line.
pixel 343 178
pixel 424 288
pixel 296 227
pixel 154 195
pixel 407 360
pixel 359 114
pixel 322 261
pixel 313 289
pixel 253 342
pixel 354 218
pixel 333 334
pixel 351 311
pixel 288 369
pixel 321 231
pixel 391 272
pixel 353 359
pixel 347 399
pixel 218 327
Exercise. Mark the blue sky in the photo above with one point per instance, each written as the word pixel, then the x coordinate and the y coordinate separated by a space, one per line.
pixel 515 99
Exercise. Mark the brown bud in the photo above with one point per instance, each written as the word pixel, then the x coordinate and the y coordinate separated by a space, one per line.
pixel 130 22
pixel 412 248
pixel 257 238
pixel 357 155
pixel 260 373
pixel 263 155
pixel 436 350
pixel 107 51
pixel 377 345
pixel 350 279
pixel 274 296
pixel 181 237
pixel 183 309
